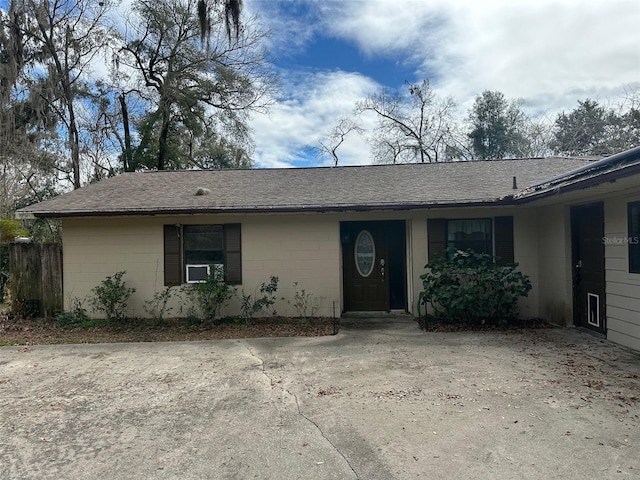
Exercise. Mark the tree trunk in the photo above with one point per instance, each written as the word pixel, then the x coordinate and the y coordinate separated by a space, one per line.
pixel 162 141
pixel 126 155
pixel 73 136
pixel 74 141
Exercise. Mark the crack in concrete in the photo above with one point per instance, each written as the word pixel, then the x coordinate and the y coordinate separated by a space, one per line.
pixel 308 419
pixel 312 422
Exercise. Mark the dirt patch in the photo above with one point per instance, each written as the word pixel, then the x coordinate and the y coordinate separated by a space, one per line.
pixel 44 332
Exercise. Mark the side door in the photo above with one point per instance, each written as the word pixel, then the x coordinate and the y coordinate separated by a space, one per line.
pixel 587 231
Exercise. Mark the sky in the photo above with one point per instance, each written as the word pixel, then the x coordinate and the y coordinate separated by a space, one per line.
pixel 331 53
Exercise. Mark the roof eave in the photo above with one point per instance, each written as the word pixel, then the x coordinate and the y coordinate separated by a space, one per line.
pixel 622 157
pixel 265 209
pixel 578 184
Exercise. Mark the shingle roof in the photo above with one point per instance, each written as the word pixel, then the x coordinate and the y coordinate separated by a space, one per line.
pixel 304 189
pixel 623 164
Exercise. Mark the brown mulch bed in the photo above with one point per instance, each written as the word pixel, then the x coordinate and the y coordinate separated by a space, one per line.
pixel 435 325
pixel 42 332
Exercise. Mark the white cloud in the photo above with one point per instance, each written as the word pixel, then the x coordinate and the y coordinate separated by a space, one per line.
pixel 291 24
pixel 550 53
pixel 314 105
pixel 382 27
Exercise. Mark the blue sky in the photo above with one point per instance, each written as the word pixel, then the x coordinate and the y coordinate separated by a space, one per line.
pixel 329 53
pixel 332 53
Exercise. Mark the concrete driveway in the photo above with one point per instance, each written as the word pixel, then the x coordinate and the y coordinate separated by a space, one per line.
pixel 381 400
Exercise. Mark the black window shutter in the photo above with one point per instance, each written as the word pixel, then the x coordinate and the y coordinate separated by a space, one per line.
pixel 436 237
pixel 232 254
pixel 633 232
pixel 504 240
pixel 172 256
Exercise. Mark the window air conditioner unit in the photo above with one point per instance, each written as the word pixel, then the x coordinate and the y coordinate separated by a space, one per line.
pixel 197 273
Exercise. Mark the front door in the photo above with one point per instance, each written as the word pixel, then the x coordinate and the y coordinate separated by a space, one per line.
pixel 587 231
pixel 373 265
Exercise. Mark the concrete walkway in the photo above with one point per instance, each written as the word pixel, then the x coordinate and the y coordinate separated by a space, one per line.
pixel 380 400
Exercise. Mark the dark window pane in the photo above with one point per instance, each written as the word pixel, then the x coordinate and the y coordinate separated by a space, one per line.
pixel 203 237
pixel 470 234
pixel 203 245
pixel 208 257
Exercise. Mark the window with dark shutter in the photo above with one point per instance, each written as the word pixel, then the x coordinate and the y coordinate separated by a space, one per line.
pixel 194 252
pixel 474 234
pixel 504 240
pixel 436 237
pixel 232 254
pixel 172 256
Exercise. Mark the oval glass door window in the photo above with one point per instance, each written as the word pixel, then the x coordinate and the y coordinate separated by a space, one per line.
pixel 365 253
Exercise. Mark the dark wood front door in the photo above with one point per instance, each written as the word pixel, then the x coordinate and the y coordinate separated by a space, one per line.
pixel 373 265
pixel 587 232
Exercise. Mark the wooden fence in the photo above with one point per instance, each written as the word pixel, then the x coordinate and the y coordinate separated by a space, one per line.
pixel 35 278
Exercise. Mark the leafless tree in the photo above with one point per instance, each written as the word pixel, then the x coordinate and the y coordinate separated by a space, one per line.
pixel 331 142
pixel 413 127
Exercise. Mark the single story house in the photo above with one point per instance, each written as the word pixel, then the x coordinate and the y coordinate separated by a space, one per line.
pixel 358 238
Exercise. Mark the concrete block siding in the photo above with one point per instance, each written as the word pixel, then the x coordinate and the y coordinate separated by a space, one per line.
pixel 306 251
pixel 296 248
pixel 306 248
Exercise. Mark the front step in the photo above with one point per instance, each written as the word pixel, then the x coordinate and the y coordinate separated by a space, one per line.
pixel 391 314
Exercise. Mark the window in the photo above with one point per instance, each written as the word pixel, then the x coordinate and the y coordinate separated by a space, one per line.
pixel 193 252
pixel 633 216
pixel 493 236
pixel 364 253
pixel 203 251
pixel 470 235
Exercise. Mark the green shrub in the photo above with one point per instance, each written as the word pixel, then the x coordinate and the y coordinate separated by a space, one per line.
pixel 9 229
pixel 255 302
pixel 110 297
pixel 469 288
pixel 208 298
pixel 157 307
pixel 76 317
